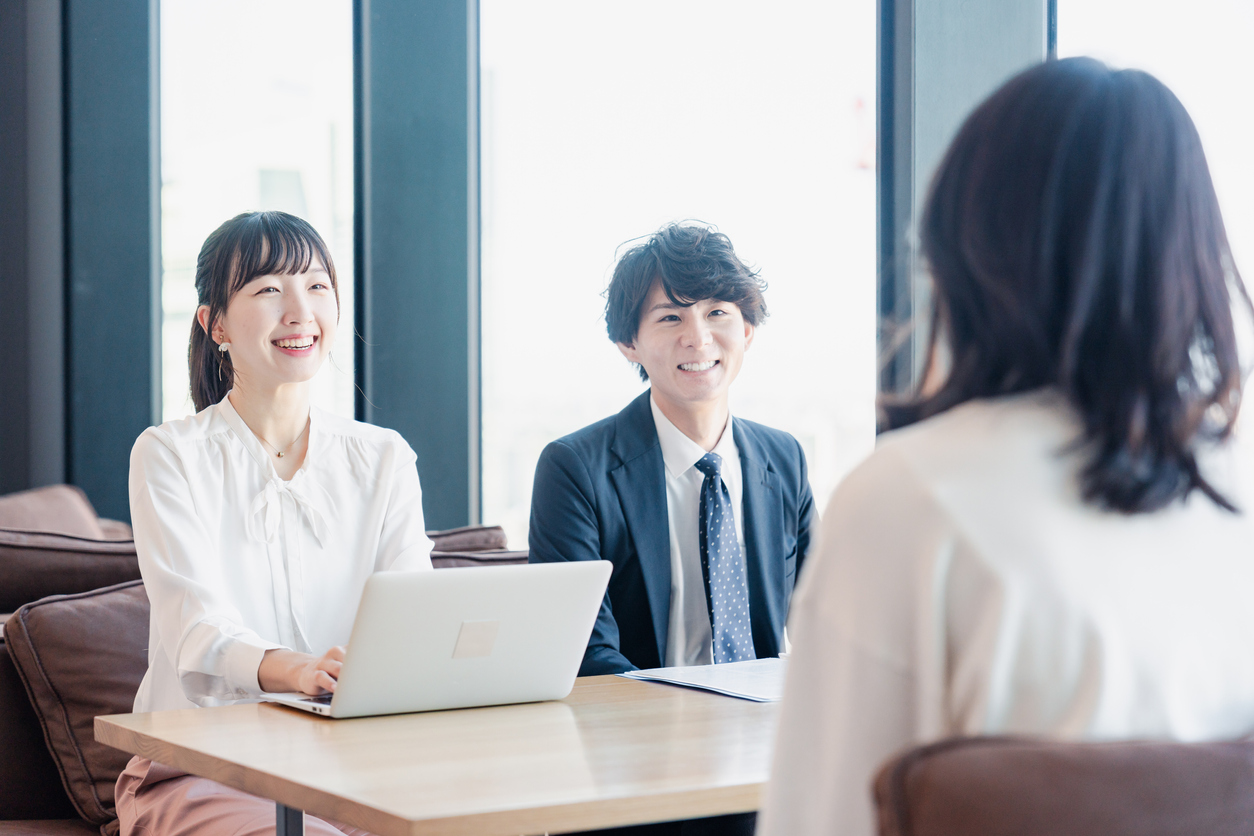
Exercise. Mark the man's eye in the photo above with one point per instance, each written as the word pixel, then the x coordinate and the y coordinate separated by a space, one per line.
pixel 669 318
pixel 718 312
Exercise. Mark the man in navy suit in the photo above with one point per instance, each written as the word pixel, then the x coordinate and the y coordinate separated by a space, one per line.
pixel 706 518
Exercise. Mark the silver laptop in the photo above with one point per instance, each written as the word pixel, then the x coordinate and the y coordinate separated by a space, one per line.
pixel 456 638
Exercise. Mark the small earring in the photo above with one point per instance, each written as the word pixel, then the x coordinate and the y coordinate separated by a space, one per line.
pixel 224 347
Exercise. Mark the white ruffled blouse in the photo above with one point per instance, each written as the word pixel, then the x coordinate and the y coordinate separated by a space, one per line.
pixel 962 586
pixel 237 561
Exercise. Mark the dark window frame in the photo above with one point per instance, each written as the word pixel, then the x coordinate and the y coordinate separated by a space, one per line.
pixel 936 60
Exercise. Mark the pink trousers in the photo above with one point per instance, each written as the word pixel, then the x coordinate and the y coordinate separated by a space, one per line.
pixel 156 800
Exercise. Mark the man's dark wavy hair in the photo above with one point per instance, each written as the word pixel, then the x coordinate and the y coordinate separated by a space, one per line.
pixel 693 263
pixel 1075 240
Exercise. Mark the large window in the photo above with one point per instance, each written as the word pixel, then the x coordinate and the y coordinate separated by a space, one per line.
pixel 603 121
pixel 1200 50
pixel 256 113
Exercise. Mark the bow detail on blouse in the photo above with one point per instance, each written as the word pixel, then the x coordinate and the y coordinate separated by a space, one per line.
pixel 265 519
pixel 266 510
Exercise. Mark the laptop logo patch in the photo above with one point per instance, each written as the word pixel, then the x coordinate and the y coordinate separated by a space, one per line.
pixel 475 639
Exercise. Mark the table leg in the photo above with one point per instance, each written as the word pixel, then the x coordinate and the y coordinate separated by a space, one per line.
pixel 288 821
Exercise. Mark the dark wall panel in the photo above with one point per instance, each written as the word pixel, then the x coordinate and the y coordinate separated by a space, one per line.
pixel 14 338
pixel 417 239
pixel 32 282
pixel 113 299
pixel 937 60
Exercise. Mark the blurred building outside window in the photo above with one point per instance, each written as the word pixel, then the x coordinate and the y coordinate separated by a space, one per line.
pixel 256 113
pixel 602 121
pixel 1201 50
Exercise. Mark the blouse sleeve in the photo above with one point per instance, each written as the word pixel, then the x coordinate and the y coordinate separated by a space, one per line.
pixel 193 618
pixel 863 680
pixel 403 544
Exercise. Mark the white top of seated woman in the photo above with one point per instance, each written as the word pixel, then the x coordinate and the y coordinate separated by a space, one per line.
pixel 238 561
pixel 962 586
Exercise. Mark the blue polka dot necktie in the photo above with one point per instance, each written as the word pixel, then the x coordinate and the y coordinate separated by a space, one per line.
pixel 726 590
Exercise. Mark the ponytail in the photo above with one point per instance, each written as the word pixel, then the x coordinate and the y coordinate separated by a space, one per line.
pixel 209 369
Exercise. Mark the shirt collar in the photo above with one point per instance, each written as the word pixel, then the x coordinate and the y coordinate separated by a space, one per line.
pixel 679 452
pixel 253 445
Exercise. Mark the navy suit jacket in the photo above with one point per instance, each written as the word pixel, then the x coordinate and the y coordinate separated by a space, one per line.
pixel 600 494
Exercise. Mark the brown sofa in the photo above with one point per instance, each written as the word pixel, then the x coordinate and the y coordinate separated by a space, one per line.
pixel 77 647
pixel 1001 786
pixel 51 543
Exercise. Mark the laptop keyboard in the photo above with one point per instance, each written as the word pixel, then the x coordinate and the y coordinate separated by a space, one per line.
pixel 324 699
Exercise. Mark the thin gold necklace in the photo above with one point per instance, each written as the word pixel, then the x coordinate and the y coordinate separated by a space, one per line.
pixel 288 448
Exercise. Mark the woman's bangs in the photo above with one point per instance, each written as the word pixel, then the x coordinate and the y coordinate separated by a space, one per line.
pixel 277 248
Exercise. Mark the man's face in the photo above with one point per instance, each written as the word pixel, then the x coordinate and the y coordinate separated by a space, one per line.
pixel 692 354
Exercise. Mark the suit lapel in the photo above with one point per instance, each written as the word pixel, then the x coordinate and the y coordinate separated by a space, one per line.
pixel 640 481
pixel 764 532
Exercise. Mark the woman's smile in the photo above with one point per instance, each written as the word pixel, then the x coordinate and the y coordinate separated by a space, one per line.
pixel 300 345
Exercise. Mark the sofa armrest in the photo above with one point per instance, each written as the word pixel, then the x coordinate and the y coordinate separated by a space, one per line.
pixel 34 565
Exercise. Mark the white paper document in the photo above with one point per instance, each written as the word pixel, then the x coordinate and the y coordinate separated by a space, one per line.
pixel 760 680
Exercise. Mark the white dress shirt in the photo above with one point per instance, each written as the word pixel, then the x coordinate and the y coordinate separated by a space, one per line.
pixel 689 637
pixel 962 586
pixel 237 562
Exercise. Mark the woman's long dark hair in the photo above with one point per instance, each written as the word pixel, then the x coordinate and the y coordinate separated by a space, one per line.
pixel 247 246
pixel 1074 240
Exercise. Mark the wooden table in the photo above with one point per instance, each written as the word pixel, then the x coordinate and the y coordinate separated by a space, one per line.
pixel 615 752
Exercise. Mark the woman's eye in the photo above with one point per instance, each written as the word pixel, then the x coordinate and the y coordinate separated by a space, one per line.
pixel 267 290
pixel 319 286
pixel 669 318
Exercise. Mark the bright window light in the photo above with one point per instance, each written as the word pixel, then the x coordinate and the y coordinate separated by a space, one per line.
pixel 256 113
pixel 1200 49
pixel 603 121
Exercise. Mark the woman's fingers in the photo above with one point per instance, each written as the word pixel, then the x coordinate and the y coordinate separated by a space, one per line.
pixel 325 681
pixel 320 673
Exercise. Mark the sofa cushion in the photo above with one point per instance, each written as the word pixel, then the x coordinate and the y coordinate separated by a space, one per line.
pixel 30 787
pixel 115 530
pixel 487 557
pixel 998 786
pixel 469 538
pixel 63 509
pixel 35 565
pixel 81 656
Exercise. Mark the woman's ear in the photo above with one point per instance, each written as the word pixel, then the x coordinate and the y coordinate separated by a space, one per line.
pixel 202 316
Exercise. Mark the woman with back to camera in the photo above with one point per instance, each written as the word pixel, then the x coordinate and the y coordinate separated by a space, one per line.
pixel 1058 540
pixel 257 520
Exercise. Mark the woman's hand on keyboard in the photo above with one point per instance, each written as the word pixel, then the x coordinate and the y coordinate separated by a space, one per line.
pixel 287 670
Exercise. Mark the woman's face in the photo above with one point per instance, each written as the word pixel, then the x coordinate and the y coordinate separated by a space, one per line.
pixel 280 328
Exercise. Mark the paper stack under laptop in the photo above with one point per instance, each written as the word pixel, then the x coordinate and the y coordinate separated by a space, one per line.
pixel 760 680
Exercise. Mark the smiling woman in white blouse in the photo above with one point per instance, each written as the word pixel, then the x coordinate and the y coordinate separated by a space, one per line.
pixel 258 519
pixel 1056 539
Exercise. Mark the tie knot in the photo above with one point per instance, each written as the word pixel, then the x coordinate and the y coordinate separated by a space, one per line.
pixel 710 463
